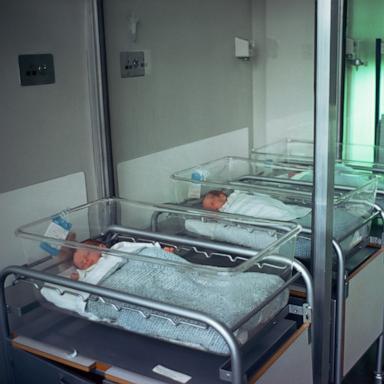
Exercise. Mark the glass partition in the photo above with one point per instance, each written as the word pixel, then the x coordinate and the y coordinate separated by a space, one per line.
pixel 192 81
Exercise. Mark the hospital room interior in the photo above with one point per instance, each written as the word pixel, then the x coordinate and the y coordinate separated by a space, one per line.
pixel 192 191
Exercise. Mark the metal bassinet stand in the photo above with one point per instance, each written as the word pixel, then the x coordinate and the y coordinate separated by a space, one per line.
pixel 341 283
pixel 302 189
pixel 235 372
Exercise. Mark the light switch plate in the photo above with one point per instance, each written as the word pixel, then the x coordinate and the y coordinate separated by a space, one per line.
pixel 36 69
pixel 132 64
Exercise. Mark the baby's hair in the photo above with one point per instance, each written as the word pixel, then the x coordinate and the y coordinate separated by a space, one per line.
pixel 215 192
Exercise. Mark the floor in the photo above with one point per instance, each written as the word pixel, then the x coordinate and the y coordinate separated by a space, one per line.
pixel 362 372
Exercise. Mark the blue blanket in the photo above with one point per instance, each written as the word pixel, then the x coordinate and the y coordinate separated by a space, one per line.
pixel 343 222
pixel 225 297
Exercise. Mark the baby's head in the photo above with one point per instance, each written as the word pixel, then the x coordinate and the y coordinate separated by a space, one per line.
pixel 214 200
pixel 84 258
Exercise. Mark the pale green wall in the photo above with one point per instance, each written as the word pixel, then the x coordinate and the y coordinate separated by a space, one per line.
pixel 365 24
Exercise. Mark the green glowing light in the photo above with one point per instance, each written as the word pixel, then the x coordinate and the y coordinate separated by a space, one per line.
pixel 364 25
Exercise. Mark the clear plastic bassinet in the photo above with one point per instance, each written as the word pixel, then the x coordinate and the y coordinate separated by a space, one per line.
pixel 283 180
pixel 113 220
pixel 295 151
pixel 355 162
pixel 292 185
pixel 181 258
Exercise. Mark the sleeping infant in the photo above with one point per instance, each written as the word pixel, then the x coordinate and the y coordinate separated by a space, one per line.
pixel 86 259
pixel 256 205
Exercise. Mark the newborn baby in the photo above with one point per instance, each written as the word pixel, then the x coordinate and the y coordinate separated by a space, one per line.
pixel 214 200
pixel 85 259
pixel 256 205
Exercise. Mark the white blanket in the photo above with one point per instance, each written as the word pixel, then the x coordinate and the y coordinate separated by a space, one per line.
pixel 262 206
pixel 344 175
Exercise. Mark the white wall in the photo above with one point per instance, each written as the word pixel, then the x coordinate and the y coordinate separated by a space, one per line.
pixel 259 59
pixel 196 88
pixel 46 150
pixel 151 173
pixel 284 66
pixel 46 129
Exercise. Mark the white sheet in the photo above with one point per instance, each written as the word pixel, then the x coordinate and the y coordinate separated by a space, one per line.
pixel 344 175
pixel 262 206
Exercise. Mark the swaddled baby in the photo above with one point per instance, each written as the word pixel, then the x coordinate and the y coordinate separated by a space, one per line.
pixel 85 260
pixel 256 205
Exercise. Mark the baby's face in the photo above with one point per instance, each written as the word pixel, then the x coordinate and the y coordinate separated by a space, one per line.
pixel 214 202
pixel 84 258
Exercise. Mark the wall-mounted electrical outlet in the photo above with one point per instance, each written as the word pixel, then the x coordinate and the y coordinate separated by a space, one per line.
pixel 132 64
pixel 36 69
